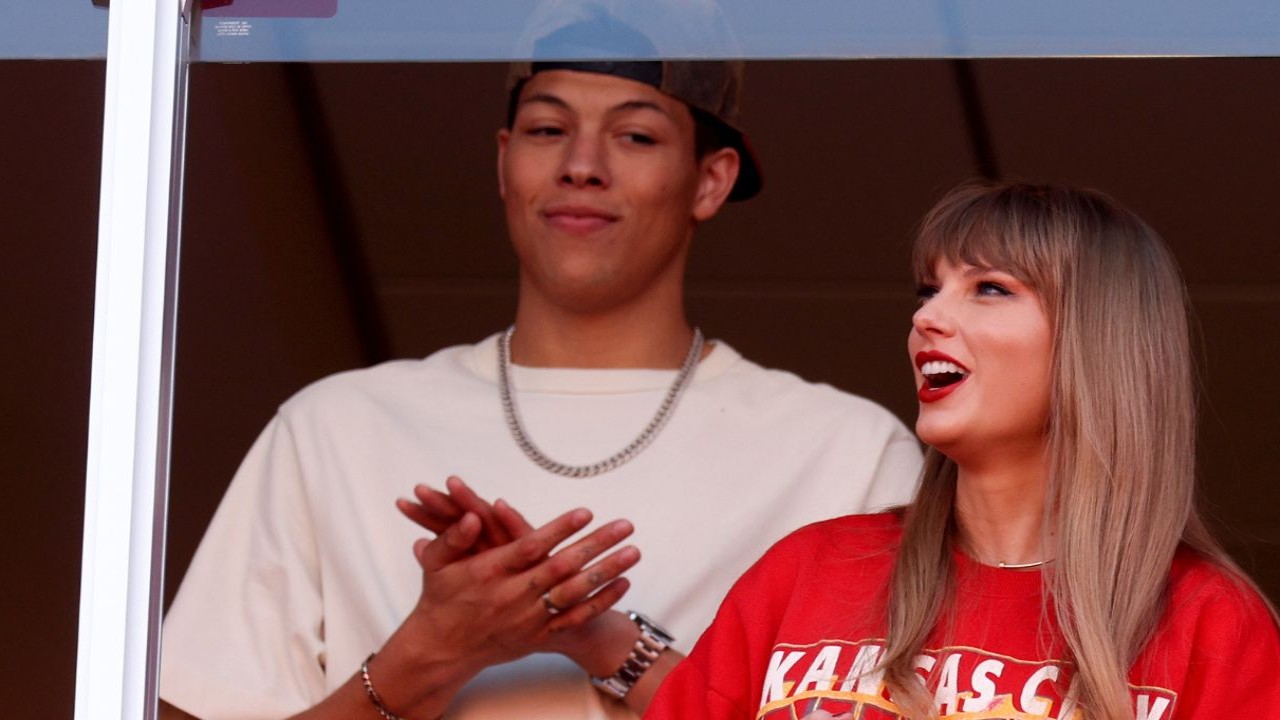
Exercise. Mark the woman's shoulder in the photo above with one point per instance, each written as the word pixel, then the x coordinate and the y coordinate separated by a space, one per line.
pixel 1217 644
pixel 1197 576
pixel 1215 598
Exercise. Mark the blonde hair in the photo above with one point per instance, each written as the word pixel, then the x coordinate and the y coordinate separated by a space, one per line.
pixel 1121 434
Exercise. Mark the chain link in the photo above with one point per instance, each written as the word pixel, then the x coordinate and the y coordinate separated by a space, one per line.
pixel 618 459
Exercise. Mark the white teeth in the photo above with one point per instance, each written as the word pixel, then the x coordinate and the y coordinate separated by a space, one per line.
pixel 940 367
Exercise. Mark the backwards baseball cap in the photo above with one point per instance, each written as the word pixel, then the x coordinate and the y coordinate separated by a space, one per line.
pixel 712 89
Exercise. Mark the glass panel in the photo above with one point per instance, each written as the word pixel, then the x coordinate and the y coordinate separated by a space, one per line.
pixel 350 206
pixel 328 30
pixel 352 211
pixel 53 29
pixel 51 152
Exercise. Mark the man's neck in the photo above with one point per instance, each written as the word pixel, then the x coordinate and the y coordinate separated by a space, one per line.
pixel 600 341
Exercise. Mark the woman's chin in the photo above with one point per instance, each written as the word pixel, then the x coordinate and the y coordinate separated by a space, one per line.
pixel 939 436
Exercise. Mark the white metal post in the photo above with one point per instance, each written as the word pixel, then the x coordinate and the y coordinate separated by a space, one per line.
pixel 125 477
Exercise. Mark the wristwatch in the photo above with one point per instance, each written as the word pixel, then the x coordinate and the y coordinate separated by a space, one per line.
pixel 652 641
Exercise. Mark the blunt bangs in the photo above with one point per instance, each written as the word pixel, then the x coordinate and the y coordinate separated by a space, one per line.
pixel 1014 228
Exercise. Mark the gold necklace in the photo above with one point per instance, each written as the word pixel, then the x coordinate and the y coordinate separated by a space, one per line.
pixel 1022 566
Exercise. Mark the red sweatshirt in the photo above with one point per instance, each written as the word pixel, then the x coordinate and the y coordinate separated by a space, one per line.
pixel 798 633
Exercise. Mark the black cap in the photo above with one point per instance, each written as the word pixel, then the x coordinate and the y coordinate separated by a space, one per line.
pixel 712 88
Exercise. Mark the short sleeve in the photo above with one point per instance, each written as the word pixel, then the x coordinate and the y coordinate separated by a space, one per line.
pixel 897 474
pixel 243 638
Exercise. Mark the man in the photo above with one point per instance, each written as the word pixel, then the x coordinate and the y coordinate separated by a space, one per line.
pixel 602 395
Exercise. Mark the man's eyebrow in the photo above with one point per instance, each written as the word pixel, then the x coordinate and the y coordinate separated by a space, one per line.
pixel 547 98
pixel 627 106
pixel 639 105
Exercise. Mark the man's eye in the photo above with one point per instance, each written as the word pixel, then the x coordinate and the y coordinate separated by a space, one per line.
pixel 641 139
pixel 987 287
pixel 544 131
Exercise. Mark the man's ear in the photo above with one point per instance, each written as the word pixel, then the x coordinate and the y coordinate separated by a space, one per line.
pixel 717 172
pixel 504 135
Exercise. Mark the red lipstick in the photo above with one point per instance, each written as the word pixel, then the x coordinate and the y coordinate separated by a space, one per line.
pixel 928 393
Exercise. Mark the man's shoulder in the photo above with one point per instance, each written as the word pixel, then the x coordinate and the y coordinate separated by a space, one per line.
pixel 779 388
pixel 390 381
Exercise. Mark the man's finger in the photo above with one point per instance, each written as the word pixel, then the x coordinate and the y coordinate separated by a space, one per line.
pixel 423 517
pixel 533 548
pixel 511 519
pixel 585 583
pixel 608 596
pixel 436 510
pixel 495 534
pixel 455 543
pixel 569 561
pixel 437 502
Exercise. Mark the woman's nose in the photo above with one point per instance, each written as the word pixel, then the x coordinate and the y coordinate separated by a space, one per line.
pixel 933 318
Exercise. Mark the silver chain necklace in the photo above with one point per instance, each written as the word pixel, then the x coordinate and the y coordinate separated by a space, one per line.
pixel 619 458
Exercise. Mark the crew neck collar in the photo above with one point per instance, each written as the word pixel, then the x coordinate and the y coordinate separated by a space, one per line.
pixel 482 360
pixel 992 581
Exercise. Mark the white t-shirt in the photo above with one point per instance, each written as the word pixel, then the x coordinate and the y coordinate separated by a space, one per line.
pixel 307 566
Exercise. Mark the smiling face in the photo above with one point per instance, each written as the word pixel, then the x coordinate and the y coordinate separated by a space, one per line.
pixel 981 345
pixel 603 189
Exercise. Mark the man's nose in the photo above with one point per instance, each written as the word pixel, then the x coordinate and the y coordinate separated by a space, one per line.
pixel 585 164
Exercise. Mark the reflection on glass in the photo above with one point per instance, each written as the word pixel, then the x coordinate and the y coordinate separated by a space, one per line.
pixel 53 29
pixel 234 30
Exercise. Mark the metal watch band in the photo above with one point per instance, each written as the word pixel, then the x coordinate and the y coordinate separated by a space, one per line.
pixel 652 642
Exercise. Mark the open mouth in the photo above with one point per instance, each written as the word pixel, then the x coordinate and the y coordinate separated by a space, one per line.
pixel 941 373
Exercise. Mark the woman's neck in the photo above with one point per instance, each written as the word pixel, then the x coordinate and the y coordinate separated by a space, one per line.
pixel 1000 513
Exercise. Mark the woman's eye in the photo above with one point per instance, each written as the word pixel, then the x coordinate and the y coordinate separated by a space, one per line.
pixel 990 288
pixel 924 292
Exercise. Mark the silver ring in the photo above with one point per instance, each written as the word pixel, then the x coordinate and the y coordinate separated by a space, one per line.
pixel 552 610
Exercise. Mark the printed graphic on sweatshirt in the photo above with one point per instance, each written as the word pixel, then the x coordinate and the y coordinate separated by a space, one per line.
pixel 833 680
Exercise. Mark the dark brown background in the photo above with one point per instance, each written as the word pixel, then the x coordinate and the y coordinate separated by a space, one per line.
pixel 340 214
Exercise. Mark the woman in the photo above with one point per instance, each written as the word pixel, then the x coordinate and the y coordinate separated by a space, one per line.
pixel 1053 563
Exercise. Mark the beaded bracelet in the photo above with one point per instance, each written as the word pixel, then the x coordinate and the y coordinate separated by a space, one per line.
pixel 374 697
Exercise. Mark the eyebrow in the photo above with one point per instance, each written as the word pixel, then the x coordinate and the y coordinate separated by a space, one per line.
pixel 975 269
pixel 629 105
pixel 544 98
pixel 639 105
pixel 979 270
